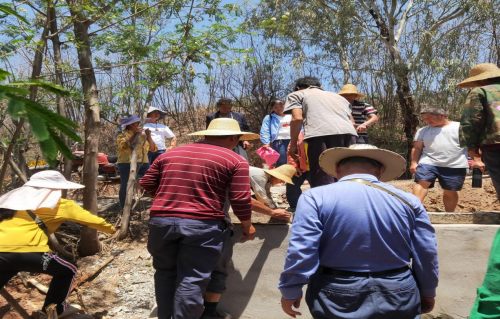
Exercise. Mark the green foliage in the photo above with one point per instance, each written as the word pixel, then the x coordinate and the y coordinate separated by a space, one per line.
pixel 44 123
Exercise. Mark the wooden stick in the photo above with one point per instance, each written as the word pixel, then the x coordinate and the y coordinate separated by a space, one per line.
pixel 51 311
pixel 17 307
pixel 92 275
pixel 38 286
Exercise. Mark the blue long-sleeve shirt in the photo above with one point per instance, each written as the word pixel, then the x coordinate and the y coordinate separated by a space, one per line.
pixel 356 227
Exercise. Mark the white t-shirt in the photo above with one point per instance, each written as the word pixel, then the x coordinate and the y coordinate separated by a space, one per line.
pixel 284 130
pixel 442 146
pixel 159 133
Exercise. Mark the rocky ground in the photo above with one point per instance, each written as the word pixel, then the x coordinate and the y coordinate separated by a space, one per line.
pixel 124 288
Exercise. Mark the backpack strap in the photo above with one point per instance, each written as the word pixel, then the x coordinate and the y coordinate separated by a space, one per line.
pixel 362 181
pixel 39 222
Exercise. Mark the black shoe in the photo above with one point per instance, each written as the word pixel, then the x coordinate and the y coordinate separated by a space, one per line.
pixel 218 315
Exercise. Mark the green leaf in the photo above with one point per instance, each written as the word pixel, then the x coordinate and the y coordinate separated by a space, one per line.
pixel 3 74
pixel 49 151
pixel 9 11
pixel 8 89
pixel 15 108
pixel 50 87
pixel 39 128
pixel 61 146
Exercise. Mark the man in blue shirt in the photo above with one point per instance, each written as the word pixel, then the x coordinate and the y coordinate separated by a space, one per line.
pixel 352 242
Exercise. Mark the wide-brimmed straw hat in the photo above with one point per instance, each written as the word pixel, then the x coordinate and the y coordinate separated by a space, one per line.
pixel 284 172
pixel 43 190
pixel 226 126
pixel 480 72
pixel 394 163
pixel 351 89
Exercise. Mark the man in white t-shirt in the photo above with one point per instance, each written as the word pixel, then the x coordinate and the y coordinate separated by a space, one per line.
pixel 437 154
pixel 159 133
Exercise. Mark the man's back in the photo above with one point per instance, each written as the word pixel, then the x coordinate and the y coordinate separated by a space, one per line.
pixel 325 113
pixel 194 180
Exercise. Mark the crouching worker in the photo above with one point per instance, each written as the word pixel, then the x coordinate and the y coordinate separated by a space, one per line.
pixel 261 181
pixel 28 215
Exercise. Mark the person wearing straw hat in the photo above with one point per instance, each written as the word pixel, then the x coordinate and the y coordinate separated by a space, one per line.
pixel 125 137
pixel 225 107
pixel 480 120
pixel 360 111
pixel 261 181
pixel 159 133
pixel 353 241
pixel 481 135
pixel 327 123
pixel 28 215
pixel 187 227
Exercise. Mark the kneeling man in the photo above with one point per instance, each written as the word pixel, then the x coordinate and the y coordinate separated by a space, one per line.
pixel 353 240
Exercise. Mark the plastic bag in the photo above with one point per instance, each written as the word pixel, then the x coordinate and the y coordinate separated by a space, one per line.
pixel 269 155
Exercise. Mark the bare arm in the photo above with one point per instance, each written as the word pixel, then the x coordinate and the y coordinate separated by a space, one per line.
pixel 152 145
pixel 477 162
pixel 416 153
pixel 295 126
pixel 275 213
pixel 173 142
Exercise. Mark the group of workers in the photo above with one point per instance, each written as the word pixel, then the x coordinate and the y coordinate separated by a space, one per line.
pixel 353 236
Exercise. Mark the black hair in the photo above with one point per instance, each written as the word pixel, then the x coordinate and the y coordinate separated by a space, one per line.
pixel 361 161
pixel 306 82
pixel 6 214
pixel 276 101
pixel 224 101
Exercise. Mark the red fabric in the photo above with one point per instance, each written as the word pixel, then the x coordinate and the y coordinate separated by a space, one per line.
pixel 191 181
pixel 302 164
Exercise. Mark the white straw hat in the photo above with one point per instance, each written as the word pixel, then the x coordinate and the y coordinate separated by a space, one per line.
pixel 226 126
pixel 43 190
pixel 152 109
pixel 52 180
pixel 394 163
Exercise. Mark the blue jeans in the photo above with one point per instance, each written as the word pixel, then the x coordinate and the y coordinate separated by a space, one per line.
pixel 280 146
pixel 152 156
pixel 185 252
pixel 124 169
pixel 293 192
pixel 394 296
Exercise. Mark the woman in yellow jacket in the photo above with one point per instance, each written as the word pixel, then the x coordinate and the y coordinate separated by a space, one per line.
pixel 24 241
pixel 125 138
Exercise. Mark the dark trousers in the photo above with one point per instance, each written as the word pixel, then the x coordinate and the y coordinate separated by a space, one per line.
pixel 124 169
pixel 240 150
pixel 185 252
pixel 492 161
pixel 294 191
pixel 351 297
pixel 62 273
pixel 280 146
pixel 217 284
pixel 316 146
pixel 152 156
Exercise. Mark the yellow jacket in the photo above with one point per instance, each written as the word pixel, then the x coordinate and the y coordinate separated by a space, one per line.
pixel 22 235
pixel 124 151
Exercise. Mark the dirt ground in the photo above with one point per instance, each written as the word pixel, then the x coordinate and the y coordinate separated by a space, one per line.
pixel 124 288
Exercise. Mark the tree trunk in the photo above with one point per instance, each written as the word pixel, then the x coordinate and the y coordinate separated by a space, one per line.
pixel 61 107
pixel 131 184
pixel 89 244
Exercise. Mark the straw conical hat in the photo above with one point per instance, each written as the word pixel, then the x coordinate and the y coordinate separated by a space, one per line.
pixel 226 126
pixel 480 72
pixel 351 89
pixel 394 163
pixel 284 172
